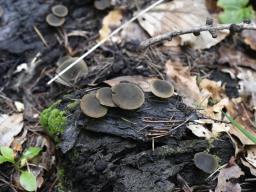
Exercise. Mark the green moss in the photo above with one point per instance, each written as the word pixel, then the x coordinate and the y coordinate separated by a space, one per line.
pixel 53 119
pixel 71 106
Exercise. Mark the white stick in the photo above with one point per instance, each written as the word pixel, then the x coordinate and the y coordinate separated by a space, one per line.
pixel 104 40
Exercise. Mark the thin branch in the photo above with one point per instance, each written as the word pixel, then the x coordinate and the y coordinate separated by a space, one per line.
pixel 210 28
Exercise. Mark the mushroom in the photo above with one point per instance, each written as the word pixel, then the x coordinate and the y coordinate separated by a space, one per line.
pixel 60 10
pixel 54 21
pixel 104 95
pixel 91 107
pixel 101 4
pixel 161 88
pixel 63 59
pixel 206 162
pixel 77 71
pixel 127 96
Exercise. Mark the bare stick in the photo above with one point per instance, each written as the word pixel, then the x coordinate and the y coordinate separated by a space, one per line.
pixel 104 40
pixel 219 27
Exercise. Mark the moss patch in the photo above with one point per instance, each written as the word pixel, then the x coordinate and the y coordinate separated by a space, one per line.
pixel 54 120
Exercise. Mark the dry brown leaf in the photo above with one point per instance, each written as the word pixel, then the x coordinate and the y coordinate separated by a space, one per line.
pixel 185 84
pixel 180 15
pixel 143 82
pixel 225 177
pixel 228 54
pixel 112 20
pixel 249 37
pixel 10 126
pixel 211 88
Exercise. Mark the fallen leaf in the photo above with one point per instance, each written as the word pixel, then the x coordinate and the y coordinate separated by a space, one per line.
pixel 251 155
pixel 111 21
pixel 212 88
pixel 249 37
pixel 181 15
pixel 252 168
pixel 10 126
pixel 235 58
pixel 185 84
pixel 143 82
pixel 199 130
pixel 225 179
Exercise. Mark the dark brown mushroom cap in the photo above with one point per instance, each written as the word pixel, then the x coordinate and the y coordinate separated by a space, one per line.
pixel 127 96
pixel 206 162
pixel 60 10
pixel 104 95
pixel 54 21
pixel 102 4
pixel 161 88
pixel 91 107
pixel 78 70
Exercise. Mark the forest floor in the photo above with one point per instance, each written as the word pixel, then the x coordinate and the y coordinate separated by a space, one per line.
pixel 154 148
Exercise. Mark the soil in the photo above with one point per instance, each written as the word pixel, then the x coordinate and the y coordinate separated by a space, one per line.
pixel 112 154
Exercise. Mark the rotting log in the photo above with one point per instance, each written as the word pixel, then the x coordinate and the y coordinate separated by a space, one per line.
pixel 114 153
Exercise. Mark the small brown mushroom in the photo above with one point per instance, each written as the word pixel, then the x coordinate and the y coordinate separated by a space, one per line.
pixel 161 88
pixel 77 71
pixel 127 96
pixel 91 107
pixel 54 21
pixel 60 10
pixel 104 95
pixel 206 162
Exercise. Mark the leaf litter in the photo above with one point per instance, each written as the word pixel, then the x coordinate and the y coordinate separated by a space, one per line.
pixel 203 94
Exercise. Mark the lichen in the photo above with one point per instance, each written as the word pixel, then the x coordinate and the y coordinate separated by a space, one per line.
pixel 53 119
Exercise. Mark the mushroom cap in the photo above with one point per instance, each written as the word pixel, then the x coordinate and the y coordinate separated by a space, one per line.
pixel 127 96
pixel 78 70
pixel 206 162
pixel 104 95
pixel 60 10
pixel 101 4
pixel 161 88
pixel 63 59
pixel 54 21
pixel 91 107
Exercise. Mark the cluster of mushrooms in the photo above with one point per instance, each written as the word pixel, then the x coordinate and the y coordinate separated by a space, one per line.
pixel 57 17
pixel 80 70
pixel 127 96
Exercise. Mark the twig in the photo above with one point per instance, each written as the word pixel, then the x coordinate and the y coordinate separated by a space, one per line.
pixel 104 40
pixel 195 30
pixel 40 36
